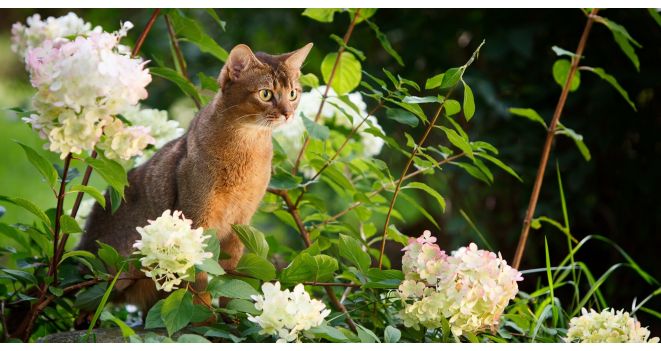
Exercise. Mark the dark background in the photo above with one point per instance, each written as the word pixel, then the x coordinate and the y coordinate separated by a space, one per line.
pixel 613 195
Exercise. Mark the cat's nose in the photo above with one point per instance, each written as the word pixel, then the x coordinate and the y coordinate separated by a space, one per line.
pixel 288 115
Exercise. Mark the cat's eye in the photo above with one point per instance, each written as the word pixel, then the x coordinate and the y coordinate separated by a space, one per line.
pixel 292 95
pixel 265 94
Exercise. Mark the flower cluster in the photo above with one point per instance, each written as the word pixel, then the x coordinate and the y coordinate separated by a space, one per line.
pixel 469 288
pixel 55 29
pixel 285 314
pixel 335 112
pixel 170 247
pixel 84 78
pixel 160 127
pixel 607 326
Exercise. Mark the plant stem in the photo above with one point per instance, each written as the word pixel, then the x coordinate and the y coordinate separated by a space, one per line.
pixel 406 169
pixel 143 35
pixel 346 285
pixel 346 38
pixel 306 239
pixel 181 62
pixel 52 270
pixel 550 134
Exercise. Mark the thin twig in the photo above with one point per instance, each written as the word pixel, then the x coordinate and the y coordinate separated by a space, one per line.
pixel 346 38
pixel 175 45
pixel 406 169
pixel 550 134
pixel 5 332
pixel 143 35
pixel 52 270
pixel 346 285
pixel 306 239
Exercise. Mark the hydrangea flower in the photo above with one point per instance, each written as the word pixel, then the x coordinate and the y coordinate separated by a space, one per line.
pixel 162 129
pixel 469 288
pixel 37 31
pixel 607 326
pixel 170 247
pixel 84 78
pixel 290 136
pixel 285 314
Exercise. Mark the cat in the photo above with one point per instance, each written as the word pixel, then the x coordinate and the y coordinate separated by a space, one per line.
pixel 216 173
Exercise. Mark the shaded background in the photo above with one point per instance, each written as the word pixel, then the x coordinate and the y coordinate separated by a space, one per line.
pixel 613 195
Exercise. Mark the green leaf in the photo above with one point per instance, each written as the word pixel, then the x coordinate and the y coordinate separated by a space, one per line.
pixel 41 164
pixel 391 334
pixel 56 291
pixel 365 335
pixel 452 107
pixel 578 139
pixel 385 43
pixel 213 14
pixel 91 191
pixel 655 15
pixel 560 51
pixel 321 15
pixel 361 56
pixel 458 141
pixel 190 30
pixel 420 99
pixel 102 304
pixel 154 319
pixel 232 288
pixel 90 298
pixel 375 274
pixel 529 114
pixel 623 40
pixel 115 199
pixel 256 266
pixel 111 171
pixel 201 313
pixel 69 225
pixel 351 249
pixel 284 180
pixel 469 102
pixel 347 74
pixel 244 306
pixel 186 87
pixel 252 238
pixel 612 81
pixel 429 190
pixel 561 70
pixel 177 310
pixel 329 333
pixel 28 205
pixel 109 255
pixel 365 14
pixel 500 164
pixel 76 253
pixel 22 276
pixel 192 338
pixel 309 80
pixel 434 82
pixel 125 329
pixel 211 266
pixel 305 267
pixel 402 116
pixel 315 130
pixel 207 82
pixel 452 76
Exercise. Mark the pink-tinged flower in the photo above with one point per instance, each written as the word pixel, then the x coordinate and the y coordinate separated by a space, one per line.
pixel 608 326
pixel 471 287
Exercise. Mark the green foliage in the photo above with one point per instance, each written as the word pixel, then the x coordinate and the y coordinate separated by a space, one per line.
pixel 561 70
pixel 347 72
pixel 190 30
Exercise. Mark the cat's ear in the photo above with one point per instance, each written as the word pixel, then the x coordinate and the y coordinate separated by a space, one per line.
pixel 296 58
pixel 238 61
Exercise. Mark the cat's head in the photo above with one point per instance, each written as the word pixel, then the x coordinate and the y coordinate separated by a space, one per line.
pixel 260 89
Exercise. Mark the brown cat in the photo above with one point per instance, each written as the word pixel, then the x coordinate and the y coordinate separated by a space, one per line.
pixel 216 173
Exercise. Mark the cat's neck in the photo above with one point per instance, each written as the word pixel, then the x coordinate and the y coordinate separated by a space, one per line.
pixel 220 134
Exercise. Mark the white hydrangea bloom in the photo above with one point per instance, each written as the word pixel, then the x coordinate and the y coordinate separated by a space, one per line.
pixel 83 79
pixel 607 326
pixel 285 314
pixel 162 129
pixel 122 142
pixel 170 247
pixel 37 31
pixel 470 288
pixel 291 134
